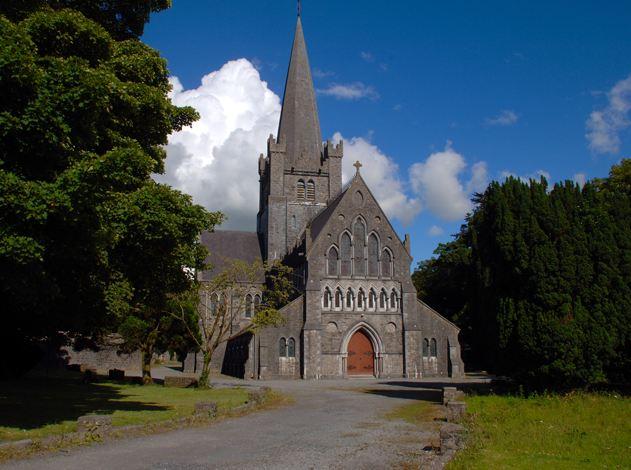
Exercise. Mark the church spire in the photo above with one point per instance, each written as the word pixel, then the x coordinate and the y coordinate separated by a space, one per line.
pixel 299 127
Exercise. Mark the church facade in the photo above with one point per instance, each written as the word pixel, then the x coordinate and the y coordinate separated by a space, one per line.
pixel 357 313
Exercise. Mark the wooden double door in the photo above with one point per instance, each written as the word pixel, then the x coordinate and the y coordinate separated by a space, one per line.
pixel 361 355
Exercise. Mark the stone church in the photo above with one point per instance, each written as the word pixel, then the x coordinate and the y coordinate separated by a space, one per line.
pixel 357 313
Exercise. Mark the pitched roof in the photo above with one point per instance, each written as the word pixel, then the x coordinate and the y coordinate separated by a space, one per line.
pixel 228 245
pixel 299 126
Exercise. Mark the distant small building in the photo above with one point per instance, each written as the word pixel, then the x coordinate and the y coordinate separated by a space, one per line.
pixel 358 312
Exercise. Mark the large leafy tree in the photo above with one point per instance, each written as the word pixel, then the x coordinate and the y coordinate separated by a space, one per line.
pixel 546 276
pixel 84 116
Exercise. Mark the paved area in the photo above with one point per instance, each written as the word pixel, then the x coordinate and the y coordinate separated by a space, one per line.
pixel 331 424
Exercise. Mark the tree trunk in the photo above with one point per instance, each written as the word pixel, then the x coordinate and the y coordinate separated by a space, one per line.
pixel 204 378
pixel 146 353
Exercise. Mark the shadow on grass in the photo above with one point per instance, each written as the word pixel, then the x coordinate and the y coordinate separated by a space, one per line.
pixel 35 402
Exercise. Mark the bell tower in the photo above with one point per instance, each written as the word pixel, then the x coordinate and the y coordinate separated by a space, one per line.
pixel 300 174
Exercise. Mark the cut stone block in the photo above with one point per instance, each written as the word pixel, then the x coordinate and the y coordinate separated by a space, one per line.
pixel 94 425
pixel 207 409
pixel 456 411
pixel 179 381
pixel 451 437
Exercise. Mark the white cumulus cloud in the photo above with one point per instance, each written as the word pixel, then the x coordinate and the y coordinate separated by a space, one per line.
pixel 381 174
pixel 504 118
pixel 604 126
pixel 435 231
pixel 215 160
pixel 580 179
pixel 438 181
pixel 350 91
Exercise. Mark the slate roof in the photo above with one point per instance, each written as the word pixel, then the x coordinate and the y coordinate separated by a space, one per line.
pixel 227 245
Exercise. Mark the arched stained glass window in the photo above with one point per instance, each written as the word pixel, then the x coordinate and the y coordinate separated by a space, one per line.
pixel 326 298
pixel 373 255
pixel 332 258
pixel 345 255
pixel 310 190
pixel 249 306
pixel 300 189
pixel 291 348
pixel 386 264
pixel 350 298
pixel 432 348
pixel 359 237
pixel 425 347
pixel 361 299
pixel 214 304
pixel 257 303
pixel 383 299
pixel 393 299
pixel 338 298
pixel 282 347
pixel 372 299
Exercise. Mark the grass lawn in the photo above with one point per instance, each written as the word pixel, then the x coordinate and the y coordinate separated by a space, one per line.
pixel 557 432
pixel 39 407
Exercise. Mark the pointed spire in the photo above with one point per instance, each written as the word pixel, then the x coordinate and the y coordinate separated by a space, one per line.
pixel 299 127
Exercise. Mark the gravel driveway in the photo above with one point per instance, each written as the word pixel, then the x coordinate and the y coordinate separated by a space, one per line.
pixel 331 424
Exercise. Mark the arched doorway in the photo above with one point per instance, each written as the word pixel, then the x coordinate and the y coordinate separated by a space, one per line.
pixel 361 355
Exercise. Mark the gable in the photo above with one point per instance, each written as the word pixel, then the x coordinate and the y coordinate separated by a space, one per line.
pixel 355 200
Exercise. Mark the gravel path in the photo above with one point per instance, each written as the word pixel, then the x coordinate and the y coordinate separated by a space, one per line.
pixel 331 424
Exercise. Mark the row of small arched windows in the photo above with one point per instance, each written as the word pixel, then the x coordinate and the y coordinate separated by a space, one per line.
pixel 359 256
pixel 362 301
pixel 287 347
pixel 251 304
pixel 305 190
pixel 429 347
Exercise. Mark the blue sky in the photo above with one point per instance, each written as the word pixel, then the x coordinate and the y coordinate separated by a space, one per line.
pixel 510 84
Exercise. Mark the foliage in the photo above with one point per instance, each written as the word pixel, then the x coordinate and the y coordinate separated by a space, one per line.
pixel 541 280
pixel 550 431
pixel 83 121
pixel 223 300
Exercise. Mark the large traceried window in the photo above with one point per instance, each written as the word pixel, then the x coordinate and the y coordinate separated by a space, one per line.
pixel 386 263
pixel 332 258
pixel 345 255
pixel 359 236
pixel 310 190
pixel 300 189
pixel 373 255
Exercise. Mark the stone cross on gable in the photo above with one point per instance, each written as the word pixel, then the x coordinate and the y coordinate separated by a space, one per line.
pixel 357 165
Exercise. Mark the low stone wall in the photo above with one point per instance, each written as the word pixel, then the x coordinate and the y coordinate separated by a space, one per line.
pixel 105 357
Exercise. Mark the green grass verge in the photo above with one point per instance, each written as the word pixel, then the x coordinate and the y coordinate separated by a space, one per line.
pixel 40 407
pixel 416 413
pixel 558 432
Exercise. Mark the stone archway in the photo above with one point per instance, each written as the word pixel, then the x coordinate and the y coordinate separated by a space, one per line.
pixel 361 352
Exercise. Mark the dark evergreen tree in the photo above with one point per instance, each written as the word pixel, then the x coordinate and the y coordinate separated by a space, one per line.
pixel 544 293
